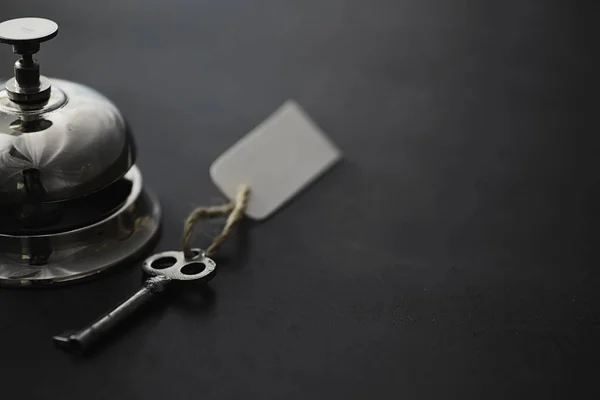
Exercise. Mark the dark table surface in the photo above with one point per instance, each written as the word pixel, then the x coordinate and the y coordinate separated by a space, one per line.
pixel 451 255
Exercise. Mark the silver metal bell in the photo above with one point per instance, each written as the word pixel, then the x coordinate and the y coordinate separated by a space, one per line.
pixel 72 201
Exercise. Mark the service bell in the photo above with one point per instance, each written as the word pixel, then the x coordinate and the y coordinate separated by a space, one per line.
pixel 72 201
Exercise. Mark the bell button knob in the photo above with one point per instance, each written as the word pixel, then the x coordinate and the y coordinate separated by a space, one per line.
pixel 25 35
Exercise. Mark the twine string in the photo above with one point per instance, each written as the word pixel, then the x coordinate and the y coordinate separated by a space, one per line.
pixel 235 208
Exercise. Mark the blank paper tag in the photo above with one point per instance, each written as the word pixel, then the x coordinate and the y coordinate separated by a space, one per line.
pixel 277 159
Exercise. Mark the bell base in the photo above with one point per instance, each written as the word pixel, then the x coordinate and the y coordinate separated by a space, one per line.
pixel 68 257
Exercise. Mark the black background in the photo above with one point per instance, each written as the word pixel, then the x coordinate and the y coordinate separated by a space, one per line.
pixel 451 255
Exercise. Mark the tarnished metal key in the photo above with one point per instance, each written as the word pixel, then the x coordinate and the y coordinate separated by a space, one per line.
pixel 165 267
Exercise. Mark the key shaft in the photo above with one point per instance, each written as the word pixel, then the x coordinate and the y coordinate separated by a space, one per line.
pixel 86 337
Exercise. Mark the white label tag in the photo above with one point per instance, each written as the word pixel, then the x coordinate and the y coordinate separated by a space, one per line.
pixel 277 159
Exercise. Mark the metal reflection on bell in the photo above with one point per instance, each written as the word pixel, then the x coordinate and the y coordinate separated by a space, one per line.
pixel 72 202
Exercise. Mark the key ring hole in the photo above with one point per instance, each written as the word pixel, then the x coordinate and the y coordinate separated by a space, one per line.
pixel 163 262
pixel 194 268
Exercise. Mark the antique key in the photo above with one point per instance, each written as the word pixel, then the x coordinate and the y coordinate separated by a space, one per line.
pixel 165 267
